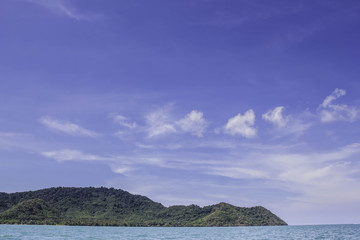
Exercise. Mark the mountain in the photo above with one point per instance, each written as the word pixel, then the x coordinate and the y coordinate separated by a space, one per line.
pixel 115 207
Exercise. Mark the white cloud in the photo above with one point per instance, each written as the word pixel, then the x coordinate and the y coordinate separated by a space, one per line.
pixel 67 127
pixel 330 112
pixel 122 170
pixel 124 121
pixel 242 125
pixel 193 123
pixel 159 123
pixel 72 155
pixel 275 117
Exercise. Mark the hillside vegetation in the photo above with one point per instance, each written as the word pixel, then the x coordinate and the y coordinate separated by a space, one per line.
pixel 114 207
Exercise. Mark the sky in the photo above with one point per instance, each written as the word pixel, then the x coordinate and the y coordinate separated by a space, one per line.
pixel 186 102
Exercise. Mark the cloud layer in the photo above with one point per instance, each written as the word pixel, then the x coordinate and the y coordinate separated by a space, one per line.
pixel 164 145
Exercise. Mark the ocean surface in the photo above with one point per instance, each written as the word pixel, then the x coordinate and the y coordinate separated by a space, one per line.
pixel 29 232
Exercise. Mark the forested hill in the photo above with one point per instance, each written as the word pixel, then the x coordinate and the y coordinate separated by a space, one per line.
pixel 114 207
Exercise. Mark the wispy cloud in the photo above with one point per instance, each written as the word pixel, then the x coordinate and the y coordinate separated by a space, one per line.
pixel 333 96
pixel 159 146
pixel 193 123
pixel 330 112
pixel 286 125
pixel 10 141
pixel 159 122
pixel 67 127
pixel 242 125
pixel 238 172
pixel 123 121
pixel 118 163
pixel 301 173
pixel 63 8
pixel 72 155
pixel 315 177
pixel 276 117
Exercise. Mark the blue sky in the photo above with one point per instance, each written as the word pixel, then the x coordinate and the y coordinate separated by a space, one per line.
pixel 201 101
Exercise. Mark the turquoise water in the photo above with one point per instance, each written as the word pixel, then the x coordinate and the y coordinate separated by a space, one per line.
pixel 29 232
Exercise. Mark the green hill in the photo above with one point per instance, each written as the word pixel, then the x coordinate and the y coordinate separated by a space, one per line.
pixel 113 207
pixel 35 211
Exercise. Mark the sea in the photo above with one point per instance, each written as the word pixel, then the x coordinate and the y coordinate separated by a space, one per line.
pixel 32 232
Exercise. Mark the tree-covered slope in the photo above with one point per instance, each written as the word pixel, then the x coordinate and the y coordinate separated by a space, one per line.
pixel 34 211
pixel 108 206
